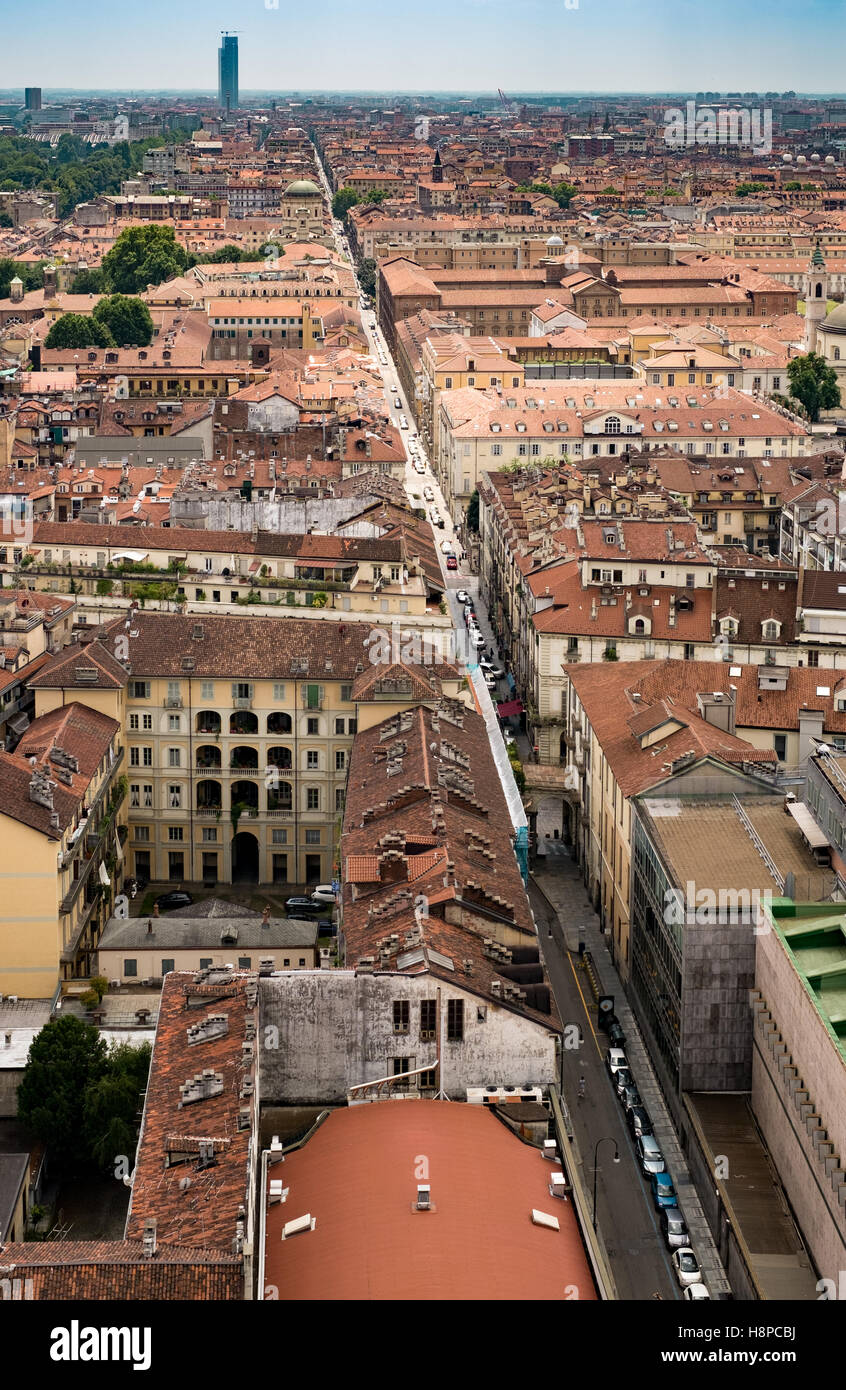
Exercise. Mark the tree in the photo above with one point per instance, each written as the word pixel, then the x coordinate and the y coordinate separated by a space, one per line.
pixel 112 1103
pixel 78 331
pixel 793 186
pixel 65 1058
pixel 229 255
pixel 127 319
pixel 31 275
pixel 563 192
pixel 376 195
pixel 814 384
pixel 5 220
pixel 609 189
pixel 366 268
pixel 473 512
pixel 343 200
pixel 89 282
pixel 743 189
pixel 143 256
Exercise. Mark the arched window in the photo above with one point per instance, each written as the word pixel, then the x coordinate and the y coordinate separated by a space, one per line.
pixel 818 291
pixel 639 627
pixel 837 354
pixel 612 424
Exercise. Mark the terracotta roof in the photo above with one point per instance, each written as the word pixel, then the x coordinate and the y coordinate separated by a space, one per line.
pixel 84 733
pixel 88 1270
pixel 203 1212
pixel 355 1178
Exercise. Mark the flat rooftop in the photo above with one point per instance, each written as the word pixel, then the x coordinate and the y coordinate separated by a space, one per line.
pixel 815 938
pixel 707 843
pixel 775 1256
pixel 357 1176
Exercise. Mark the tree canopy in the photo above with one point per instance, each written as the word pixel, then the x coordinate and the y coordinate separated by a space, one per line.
pixel 142 256
pixel 814 384
pixel 65 1058
pixel 31 275
pixel 78 331
pixel 81 1099
pixel 126 319
pixel 74 170
pixel 343 200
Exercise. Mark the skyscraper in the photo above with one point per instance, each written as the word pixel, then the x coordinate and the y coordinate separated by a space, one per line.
pixel 32 98
pixel 227 69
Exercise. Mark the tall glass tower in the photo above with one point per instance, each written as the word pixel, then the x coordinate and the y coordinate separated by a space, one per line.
pixel 227 72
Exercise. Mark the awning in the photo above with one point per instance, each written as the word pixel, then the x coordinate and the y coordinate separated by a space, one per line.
pixel 509 707
pixel 803 818
pixel 134 555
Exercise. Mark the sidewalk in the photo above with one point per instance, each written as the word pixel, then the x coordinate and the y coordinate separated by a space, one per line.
pixel 577 921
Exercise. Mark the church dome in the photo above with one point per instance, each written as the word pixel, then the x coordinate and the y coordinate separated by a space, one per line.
pixel 554 241
pixel 835 322
pixel 302 188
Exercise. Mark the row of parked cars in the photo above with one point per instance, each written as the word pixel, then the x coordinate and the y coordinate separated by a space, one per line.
pixel 651 1162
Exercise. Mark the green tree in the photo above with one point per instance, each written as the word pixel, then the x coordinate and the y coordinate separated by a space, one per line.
pixel 743 189
pixel 65 1058
pixel 89 282
pixel 31 275
pixel 126 319
pixel 376 195
pixel 814 384
pixel 473 512
pixel 78 331
pixel 112 1104
pixel 143 256
pixel 366 268
pixel 228 255
pixel 343 200
pixel 563 192
pixel 793 186
pixel 609 189
pixel 5 220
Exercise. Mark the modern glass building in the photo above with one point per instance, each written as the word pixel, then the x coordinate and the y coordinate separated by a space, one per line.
pixel 227 72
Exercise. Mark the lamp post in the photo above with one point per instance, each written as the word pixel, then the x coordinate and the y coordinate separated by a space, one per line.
pixel 612 1140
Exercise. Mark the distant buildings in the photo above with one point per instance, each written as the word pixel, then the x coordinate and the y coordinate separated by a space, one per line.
pixel 32 98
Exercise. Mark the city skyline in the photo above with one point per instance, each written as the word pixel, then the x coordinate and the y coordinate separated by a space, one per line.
pixel 465 45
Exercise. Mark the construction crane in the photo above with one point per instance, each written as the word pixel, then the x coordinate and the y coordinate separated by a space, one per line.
pixel 506 105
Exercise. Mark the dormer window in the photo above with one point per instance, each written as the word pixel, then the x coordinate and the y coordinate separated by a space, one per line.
pixel 771 630
pixel 729 626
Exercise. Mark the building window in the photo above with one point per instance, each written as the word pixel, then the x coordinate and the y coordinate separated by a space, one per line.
pixel 339 726
pixel 174 832
pixel 312 798
pixel 401 1015
pixel 245 962
pixel 312 837
pixel 340 760
pixel 174 723
pixel 428 1017
pixel 205 962
pixel 139 690
pixel 312 759
pixel 313 727
pixel 207 689
pixel 278 691
pixel 130 967
pixel 174 757
pixel 455 1020
pixel 168 965
pixel 339 798
pixel 174 792
pixel 209 834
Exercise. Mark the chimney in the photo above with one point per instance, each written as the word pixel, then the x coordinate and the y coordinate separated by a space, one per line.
pixel 150 928
pixel 149 1237
pixel 265 917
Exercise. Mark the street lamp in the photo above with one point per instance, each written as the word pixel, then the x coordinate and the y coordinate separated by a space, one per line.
pixel 595 1154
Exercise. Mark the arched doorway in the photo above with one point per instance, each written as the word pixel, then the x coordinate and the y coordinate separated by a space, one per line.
pixel 245 858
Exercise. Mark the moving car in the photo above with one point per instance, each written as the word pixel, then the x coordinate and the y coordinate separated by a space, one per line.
pixel 403 423
pixel 638 1121
pixel 419 466
pixel 397 403
pixel 430 497
pixel 686 1267
pixel 446 546
pixel 673 1229
pixel 663 1192
pixel 649 1155
pixel 168 901
pixel 462 595
pixel 696 1292
pixel 323 893
pixel 452 562
pixel 489 681
pixel 615 1058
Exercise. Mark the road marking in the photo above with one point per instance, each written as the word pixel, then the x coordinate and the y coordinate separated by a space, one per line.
pixel 584 1004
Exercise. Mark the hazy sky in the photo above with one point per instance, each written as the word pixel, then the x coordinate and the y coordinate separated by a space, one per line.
pixel 520 45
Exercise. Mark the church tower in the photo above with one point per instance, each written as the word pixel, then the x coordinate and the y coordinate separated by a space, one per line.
pixel 816 297
pixel 437 168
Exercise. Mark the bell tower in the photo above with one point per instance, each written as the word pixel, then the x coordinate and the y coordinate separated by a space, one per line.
pixel 816 297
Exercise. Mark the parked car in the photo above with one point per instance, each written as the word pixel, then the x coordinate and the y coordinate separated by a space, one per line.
pixel 663 1192
pixel 649 1155
pixel 696 1293
pixel 169 901
pixel 489 681
pixel 638 1121
pixel 686 1267
pixel 302 907
pixel 477 639
pixel 323 893
pixel 452 562
pixel 630 1097
pixel 622 1079
pixel 397 403
pixel 463 596
pixel 430 497
pixel 616 1035
pixel 419 466
pixel 446 546
pixel 403 423
pixel 615 1058
pixel 673 1229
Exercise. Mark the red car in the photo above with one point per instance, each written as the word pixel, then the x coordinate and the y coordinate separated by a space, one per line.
pixel 452 562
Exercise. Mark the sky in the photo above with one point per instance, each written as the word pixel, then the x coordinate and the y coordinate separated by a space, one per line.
pixel 430 45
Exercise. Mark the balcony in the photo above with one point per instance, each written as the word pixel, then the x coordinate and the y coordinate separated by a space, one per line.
pixel 173 702
pixel 242 702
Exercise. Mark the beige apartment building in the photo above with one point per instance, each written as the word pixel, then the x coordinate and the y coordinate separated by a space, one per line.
pixel 237 733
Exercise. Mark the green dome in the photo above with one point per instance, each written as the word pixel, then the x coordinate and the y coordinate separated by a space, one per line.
pixel 303 188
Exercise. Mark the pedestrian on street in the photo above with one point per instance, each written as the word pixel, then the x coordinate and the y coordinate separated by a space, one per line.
pixel 581 1088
